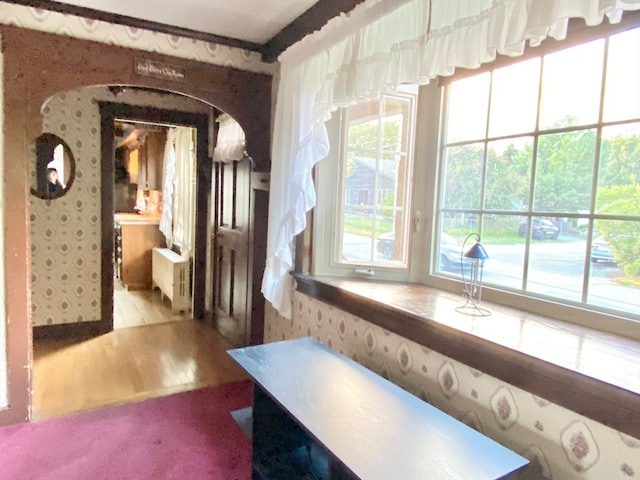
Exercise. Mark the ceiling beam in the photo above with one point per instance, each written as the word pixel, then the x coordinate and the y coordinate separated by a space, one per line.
pixel 310 21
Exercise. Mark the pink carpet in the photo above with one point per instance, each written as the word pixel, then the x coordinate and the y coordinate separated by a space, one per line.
pixel 184 436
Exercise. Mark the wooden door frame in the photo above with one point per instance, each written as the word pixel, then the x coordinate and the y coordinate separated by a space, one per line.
pixel 109 111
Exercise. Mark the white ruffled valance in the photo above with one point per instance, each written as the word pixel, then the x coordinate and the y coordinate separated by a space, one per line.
pixel 381 44
pixel 230 144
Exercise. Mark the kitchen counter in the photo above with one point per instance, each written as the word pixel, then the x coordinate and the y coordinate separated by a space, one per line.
pixel 129 218
pixel 135 238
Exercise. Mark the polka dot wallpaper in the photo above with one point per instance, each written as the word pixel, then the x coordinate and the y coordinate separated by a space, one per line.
pixel 560 443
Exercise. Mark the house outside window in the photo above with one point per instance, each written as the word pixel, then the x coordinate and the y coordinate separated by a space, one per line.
pixel 373 190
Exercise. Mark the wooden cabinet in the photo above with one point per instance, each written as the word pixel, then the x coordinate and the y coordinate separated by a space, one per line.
pixel 134 242
pixel 151 160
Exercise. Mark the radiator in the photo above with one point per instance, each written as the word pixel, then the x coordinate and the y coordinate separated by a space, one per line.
pixel 170 273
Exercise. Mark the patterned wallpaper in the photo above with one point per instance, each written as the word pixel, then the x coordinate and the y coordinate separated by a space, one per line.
pixel 65 232
pixel 561 444
pixel 146 40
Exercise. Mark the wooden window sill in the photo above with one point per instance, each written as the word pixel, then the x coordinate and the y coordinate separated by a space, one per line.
pixel 589 372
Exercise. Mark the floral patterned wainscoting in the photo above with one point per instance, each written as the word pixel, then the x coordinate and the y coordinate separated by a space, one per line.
pixel 562 444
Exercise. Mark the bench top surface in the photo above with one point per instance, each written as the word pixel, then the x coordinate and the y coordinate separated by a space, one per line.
pixel 377 429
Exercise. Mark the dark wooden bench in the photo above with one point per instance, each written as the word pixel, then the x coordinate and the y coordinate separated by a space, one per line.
pixel 319 414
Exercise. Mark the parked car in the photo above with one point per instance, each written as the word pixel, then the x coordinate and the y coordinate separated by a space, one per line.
pixel 540 229
pixel 451 258
pixel 600 251
pixel 450 251
pixel 385 244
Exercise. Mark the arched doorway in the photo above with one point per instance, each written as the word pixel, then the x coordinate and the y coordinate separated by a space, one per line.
pixel 64 64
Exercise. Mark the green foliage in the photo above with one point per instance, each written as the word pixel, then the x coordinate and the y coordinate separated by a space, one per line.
pixel 363 225
pixel 388 204
pixel 623 236
pixel 508 178
pixel 564 171
pixel 362 139
pixel 620 161
pixel 563 181
pixel 463 177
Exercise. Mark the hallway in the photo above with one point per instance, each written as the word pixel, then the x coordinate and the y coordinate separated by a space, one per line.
pixel 156 354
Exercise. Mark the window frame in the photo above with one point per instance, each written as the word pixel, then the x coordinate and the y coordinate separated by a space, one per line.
pixel 424 225
pixel 326 217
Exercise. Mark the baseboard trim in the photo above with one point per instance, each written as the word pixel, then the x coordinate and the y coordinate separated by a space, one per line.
pixel 71 330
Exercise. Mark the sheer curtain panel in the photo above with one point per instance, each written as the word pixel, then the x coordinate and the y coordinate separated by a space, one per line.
pixel 168 174
pixel 230 142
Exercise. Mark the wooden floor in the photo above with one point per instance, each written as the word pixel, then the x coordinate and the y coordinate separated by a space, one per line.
pixel 141 307
pixel 150 353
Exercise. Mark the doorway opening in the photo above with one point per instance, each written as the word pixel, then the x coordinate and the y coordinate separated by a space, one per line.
pixel 154 222
pixel 188 132
pixel 82 369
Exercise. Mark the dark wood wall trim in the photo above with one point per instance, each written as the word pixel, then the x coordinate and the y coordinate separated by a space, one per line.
pixel 70 330
pixel 311 20
pixel 258 249
pixel 596 399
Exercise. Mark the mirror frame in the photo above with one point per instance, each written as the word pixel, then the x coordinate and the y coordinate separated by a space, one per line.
pixel 45 145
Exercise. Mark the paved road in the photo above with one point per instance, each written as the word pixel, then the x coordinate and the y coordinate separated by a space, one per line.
pixel 555 269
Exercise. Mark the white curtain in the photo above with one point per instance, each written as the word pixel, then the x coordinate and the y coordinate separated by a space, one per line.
pixel 230 142
pixel 168 174
pixel 184 205
pixel 177 221
pixel 377 46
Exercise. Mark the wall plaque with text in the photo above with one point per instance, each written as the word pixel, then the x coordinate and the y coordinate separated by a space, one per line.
pixel 164 71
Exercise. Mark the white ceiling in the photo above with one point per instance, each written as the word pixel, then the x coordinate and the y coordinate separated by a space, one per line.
pixel 250 20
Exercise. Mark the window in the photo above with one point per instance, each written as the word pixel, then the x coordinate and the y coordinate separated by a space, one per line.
pixel 540 155
pixel 371 214
pixel 542 158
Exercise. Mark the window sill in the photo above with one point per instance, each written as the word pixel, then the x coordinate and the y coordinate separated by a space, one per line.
pixel 589 372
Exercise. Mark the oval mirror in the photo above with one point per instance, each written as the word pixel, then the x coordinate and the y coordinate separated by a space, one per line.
pixel 55 167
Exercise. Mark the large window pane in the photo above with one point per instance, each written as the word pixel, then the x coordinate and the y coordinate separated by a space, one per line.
pixel 622 91
pixel 514 98
pixel 564 172
pixel 571 85
pixel 618 190
pixel 614 280
pixel 556 267
pixel 467 112
pixel 463 176
pixel 505 248
pixel 508 159
pixel 558 206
